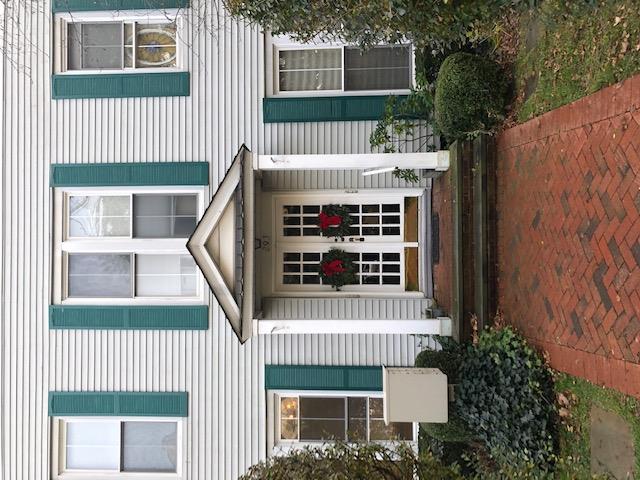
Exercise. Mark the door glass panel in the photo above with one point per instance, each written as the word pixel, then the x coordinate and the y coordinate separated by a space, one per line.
pixel 93 445
pixel 322 418
pixel 99 275
pixel 411 269
pixel 99 216
pixel 149 446
pixel 164 216
pixel 166 276
pixel 411 219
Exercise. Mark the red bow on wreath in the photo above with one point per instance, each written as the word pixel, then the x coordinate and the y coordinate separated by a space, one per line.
pixel 332 267
pixel 327 221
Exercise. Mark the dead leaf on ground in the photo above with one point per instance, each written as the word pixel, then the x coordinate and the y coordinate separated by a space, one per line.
pixel 564 413
pixel 616 21
pixel 563 400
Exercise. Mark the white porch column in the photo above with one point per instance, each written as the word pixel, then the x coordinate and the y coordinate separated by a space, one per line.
pixel 359 161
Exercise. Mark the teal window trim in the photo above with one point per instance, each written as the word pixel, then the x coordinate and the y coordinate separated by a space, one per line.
pixel 120 85
pixel 99 5
pixel 129 174
pixel 323 378
pixel 134 317
pixel 123 404
pixel 324 109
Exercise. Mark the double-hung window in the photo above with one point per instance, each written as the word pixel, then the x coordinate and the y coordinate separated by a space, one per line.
pixel 316 417
pixel 89 42
pixel 330 69
pixel 117 245
pixel 101 447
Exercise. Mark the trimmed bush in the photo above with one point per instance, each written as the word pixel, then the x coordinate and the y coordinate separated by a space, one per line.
pixel 471 96
pixel 506 397
pixel 447 361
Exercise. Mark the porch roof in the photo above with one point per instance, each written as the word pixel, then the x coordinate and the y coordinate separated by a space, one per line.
pixel 222 244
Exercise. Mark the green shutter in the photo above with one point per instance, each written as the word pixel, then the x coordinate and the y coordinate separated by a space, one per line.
pixel 323 109
pixel 137 404
pixel 313 377
pixel 96 5
pixel 165 317
pixel 120 85
pixel 129 174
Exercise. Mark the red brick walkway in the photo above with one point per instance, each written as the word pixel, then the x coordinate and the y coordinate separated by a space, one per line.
pixel 569 234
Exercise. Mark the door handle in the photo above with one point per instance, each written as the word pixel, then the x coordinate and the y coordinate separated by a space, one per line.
pixel 356 239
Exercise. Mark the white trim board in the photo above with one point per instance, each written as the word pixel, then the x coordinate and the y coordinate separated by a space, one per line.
pixel 430 326
pixel 360 161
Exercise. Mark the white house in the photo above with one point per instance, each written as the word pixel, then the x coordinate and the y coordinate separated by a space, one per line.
pixel 163 170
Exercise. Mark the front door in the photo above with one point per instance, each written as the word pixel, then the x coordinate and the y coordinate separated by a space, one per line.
pixel 383 242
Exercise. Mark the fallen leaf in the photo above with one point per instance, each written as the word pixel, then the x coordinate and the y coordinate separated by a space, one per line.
pixel 617 21
pixel 563 400
pixel 564 413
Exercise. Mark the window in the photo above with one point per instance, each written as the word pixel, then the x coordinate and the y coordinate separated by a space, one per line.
pixel 91 42
pixel 126 245
pixel 107 445
pixel 342 69
pixel 317 418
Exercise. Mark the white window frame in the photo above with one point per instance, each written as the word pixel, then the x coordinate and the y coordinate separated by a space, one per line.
pixel 62 246
pixel 277 445
pixel 274 44
pixel 272 276
pixel 60 45
pixel 59 444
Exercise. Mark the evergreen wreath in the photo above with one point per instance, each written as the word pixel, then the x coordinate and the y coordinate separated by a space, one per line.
pixel 334 221
pixel 337 269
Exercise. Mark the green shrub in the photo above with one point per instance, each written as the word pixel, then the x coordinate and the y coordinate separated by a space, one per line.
pixel 471 94
pixel 448 362
pixel 340 461
pixel 437 24
pixel 505 395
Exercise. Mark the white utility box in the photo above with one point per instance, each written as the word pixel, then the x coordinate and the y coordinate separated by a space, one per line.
pixel 415 395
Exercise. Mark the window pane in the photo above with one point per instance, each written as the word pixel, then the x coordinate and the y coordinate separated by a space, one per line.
pixel 166 276
pixel 164 216
pixel 94 45
pixel 150 446
pixel 303 80
pixel 289 418
pixel 310 59
pixel 156 45
pixel 379 431
pixel 310 69
pixel 357 428
pixel 322 418
pixel 379 68
pixel 99 275
pixel 93 445
pixel 99 216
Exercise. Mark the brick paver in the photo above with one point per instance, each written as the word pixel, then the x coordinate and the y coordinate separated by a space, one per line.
pixel 569 234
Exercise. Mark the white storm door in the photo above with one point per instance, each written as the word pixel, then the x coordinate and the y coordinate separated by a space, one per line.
pixel 383 242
